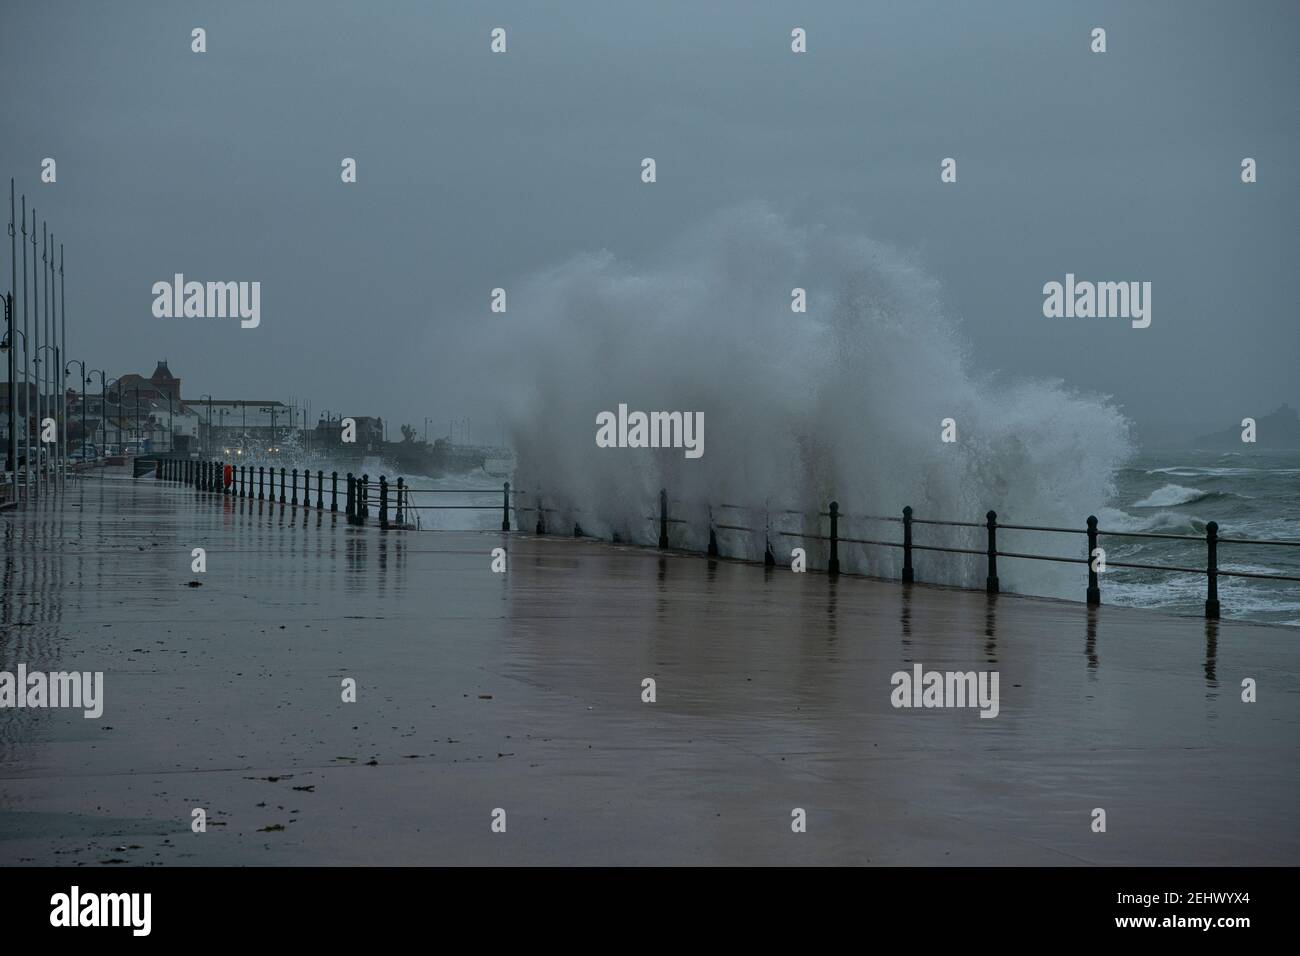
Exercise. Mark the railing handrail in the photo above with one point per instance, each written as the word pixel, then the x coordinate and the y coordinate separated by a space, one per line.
pixel 244 479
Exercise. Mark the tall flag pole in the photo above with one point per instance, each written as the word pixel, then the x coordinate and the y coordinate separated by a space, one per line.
pixel 27 371
pixel 36 365
pixel 45 312
pixel 63 337
pixel 52 298
pixel 13 339
pixel 56 374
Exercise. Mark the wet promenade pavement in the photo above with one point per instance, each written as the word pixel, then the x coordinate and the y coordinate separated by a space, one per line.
pixel 523 691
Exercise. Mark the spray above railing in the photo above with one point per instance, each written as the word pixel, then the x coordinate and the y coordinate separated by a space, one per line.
pixel 396 512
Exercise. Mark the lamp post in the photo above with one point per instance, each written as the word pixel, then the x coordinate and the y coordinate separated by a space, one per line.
pixel 42 376
pixel 83 400
pixel 27 398
pixel 208 443
pixel 103 412
pixel 7 346
pixel 119 415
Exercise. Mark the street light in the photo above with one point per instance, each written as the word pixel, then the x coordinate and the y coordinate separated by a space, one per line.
pixel 103 407
pixel 13 392
pixel 208 443
pixel 39 424
pixel 103 415
pixel 5 345
pixel 83 400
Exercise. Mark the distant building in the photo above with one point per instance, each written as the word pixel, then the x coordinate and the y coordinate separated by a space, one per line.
pixel 369 433
pixel 242 423
pixel 155 388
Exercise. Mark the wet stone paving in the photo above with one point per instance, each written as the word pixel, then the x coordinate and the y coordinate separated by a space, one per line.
pixel 524 692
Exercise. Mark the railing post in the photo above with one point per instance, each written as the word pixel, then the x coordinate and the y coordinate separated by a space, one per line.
pixel 294 497
pixel 991 582
pixel 158 468
pixel 541 525
pixel 1094 590
pixel 320 490
pixel 908 574
pixel 351 506
pixel 363 509
pixel 505 507
pixel 334 491
pixel 1212 570
pixel 401 505
pixel 261 482
pixel 383 502
pixel 834 566
pixel 663 517
pixel 281 484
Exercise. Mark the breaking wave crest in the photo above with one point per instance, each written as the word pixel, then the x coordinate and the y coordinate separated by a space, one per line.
pixel 844 402
pixel 1171 495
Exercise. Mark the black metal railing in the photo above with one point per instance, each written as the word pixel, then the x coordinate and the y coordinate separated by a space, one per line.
pixel 396 511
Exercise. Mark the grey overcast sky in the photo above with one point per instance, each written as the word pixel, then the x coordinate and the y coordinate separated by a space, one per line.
pixel 476 170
